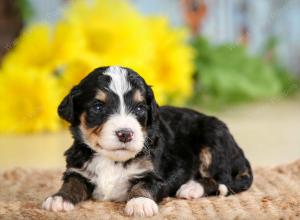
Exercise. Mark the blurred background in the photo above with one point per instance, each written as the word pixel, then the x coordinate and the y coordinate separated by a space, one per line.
pixel 236 59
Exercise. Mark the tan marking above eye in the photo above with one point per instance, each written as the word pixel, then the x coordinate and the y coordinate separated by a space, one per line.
pixel 137 96
pixel 102 96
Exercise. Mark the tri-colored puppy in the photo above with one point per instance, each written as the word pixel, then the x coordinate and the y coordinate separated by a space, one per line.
pixel 126 148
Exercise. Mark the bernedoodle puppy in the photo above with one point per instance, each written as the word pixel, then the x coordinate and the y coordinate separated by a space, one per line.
pixel 127 148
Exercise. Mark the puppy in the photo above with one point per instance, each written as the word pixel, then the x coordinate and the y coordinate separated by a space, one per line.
pixel 126 148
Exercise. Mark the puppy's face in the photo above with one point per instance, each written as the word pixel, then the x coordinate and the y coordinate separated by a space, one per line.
pixel 111 109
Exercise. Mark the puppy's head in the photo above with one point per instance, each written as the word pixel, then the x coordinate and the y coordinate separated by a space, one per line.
pixel 113 111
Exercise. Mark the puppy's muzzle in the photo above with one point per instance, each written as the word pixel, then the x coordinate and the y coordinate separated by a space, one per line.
pixel 124 135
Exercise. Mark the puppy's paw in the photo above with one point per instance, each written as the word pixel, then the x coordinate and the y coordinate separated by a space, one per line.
pixel 142 207
pixel 57 204
pixel 223 190
pixel 190 190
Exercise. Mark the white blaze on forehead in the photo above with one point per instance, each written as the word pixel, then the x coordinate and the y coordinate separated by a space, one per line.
pixel 119 83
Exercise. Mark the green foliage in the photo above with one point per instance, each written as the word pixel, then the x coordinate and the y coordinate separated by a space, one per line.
pixel 25 8
pixel 226 74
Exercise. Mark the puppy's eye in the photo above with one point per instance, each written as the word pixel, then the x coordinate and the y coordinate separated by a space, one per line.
pixel 140 109
pixel 97 107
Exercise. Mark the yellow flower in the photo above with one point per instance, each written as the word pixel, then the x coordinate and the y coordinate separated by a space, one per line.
pixel 33 48
pixel 47 61
pixel 117 35
pixel 77 69
pixel 172 63
pixel 45 48
pixel 68 43
pixel 29 102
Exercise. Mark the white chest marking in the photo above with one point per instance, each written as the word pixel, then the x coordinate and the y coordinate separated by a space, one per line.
pixel 111 179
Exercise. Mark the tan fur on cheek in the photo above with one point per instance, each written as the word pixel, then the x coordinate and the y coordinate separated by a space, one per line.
pixel 205 161
pixel 90 135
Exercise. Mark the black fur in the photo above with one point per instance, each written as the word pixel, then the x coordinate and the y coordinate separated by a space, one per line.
pixel 75 188
pixel 175 139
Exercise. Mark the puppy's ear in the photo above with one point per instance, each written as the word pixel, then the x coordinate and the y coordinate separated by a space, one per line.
pixel 152 105
pixel 66 108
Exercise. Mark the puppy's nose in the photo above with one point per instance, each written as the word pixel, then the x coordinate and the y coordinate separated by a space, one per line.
pixel 124 135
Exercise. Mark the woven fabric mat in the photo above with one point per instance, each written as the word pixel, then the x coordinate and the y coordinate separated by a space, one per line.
pixel 275 194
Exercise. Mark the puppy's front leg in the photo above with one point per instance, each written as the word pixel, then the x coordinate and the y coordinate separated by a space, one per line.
pixel 143 195
pixel 75 189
